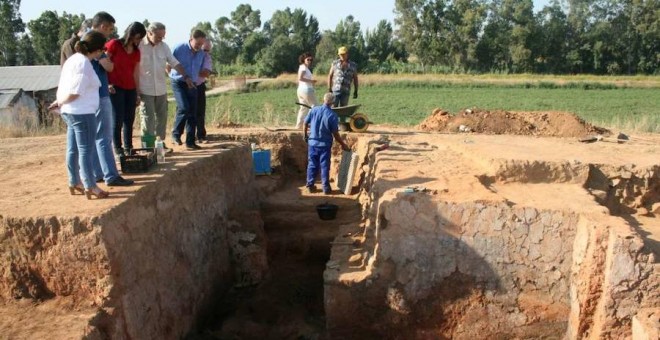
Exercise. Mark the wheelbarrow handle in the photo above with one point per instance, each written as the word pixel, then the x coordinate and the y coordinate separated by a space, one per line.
pixel 305 105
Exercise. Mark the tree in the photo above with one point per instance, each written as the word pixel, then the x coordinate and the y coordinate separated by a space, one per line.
pixel 348 33
pixel 422 29
pixel 25 54
pixel 465 19
pixel 380 42
pixel 45 36
pixel 295 25
pixel 69 25
pixel 10 26
pixel 279 57
pixel 553 42
pixel 645 22
pixel 232 32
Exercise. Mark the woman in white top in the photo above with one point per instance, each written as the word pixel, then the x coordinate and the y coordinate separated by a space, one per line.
pixel 305 91
pixel 78 100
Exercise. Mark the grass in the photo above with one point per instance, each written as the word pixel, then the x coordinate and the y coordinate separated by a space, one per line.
pixel 24 124
pixel 408 103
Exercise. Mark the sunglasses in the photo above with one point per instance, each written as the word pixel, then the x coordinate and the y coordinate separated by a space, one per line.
pixel 309 59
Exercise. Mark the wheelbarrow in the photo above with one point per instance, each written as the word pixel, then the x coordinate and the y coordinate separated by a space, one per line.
pixel 349 120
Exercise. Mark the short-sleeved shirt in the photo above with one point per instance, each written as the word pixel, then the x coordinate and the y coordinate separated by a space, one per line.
pixel 323 122
pixel 307 74
pixel 153 75
pixel 122 74
pixel 78 77
pixel 342 78
pixel 206 65
pixel 192 62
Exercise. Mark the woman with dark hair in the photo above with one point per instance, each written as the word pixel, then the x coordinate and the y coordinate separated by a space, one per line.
pixel 305 90
pixel 123 79
pixel 78 100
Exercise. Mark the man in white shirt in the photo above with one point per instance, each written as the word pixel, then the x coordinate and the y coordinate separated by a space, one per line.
pixel 155 56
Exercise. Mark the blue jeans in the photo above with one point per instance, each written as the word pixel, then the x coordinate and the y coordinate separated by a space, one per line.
pixel 80 136
pixel 186 110
pixel 201 110
pixel 124 102
pixel 104 164
pixel 318 158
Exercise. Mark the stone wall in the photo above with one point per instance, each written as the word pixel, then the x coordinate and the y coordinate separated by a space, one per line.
pixel 517 262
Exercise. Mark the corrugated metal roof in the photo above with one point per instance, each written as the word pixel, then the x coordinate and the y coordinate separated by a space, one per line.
pixel 8 97
pixel 30 78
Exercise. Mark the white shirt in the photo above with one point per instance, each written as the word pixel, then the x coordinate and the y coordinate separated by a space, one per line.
pixel 78 77
pixel 306 74
pixel 153 76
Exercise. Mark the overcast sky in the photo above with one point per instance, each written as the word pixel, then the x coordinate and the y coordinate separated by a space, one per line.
pixel 181 16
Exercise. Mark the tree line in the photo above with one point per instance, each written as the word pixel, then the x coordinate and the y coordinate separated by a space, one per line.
pixel 427 36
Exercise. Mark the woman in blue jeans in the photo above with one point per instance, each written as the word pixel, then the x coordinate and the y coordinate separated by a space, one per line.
pixel 125 55
pixel 78 100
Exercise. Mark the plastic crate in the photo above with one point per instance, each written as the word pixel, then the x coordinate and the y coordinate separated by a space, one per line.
pixel 261 160
pixel 139 161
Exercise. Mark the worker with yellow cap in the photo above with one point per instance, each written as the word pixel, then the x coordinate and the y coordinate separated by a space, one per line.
pixel 343 72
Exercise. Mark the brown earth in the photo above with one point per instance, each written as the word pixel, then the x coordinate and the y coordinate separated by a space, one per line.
pixel 33 181
pixel 499 122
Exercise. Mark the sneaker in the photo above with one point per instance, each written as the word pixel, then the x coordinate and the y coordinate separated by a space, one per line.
pixel 193 147
pixel 177 140
pixel 120 182
pixel 310 189
pixel 202 140
pixel 327 191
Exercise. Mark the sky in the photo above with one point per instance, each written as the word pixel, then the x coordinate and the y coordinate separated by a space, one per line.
pixel 180 16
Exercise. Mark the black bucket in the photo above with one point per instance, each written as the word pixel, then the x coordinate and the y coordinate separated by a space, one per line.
pixel 327 211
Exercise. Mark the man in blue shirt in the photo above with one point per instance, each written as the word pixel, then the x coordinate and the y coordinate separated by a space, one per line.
pixel 104 165
pixel 191 58
pixel 323 124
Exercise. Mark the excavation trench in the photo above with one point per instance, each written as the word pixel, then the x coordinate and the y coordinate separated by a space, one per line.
pixel 441 237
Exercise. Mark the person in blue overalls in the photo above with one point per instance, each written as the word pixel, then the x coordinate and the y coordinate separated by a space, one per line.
pixel 323 124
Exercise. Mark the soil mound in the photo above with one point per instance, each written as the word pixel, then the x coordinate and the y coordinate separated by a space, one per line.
pixel 540 123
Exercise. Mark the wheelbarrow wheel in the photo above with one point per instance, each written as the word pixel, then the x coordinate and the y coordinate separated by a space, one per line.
pixel 359 122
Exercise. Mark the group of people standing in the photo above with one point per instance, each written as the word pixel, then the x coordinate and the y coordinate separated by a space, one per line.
pixel 101 84
pixel 321 123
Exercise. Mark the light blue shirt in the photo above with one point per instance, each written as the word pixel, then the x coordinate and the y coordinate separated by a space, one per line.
pixel 323 122
pixel 190 60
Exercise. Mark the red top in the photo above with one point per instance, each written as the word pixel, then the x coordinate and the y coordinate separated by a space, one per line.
pixel 125 64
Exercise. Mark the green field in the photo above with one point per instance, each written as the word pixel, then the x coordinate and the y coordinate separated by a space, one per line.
pixel 635 109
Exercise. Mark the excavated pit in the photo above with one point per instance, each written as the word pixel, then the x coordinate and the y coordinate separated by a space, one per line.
pixel 444 236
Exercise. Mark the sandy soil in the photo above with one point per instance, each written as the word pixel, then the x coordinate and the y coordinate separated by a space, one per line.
pixel 34 184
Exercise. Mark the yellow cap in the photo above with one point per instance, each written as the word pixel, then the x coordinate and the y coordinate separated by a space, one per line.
pixel 342 50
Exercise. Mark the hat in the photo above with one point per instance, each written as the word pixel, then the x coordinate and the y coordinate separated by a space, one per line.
pixel 342 50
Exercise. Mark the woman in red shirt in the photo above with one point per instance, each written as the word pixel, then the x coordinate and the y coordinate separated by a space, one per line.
pixel 123 79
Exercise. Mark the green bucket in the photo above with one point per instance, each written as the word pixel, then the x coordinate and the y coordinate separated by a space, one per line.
pixel 148 141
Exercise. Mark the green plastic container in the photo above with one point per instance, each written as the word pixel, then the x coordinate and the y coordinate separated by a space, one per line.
pixel 148 141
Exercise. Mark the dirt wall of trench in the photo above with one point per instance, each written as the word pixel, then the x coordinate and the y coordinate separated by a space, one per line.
pixel 152 264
